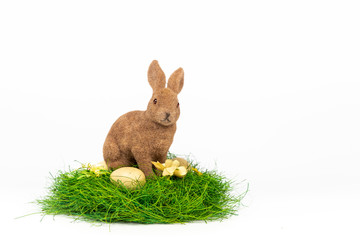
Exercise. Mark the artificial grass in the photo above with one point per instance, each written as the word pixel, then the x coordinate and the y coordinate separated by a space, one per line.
pixel 82 194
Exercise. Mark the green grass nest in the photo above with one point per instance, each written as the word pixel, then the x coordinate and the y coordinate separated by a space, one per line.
pixel 82 194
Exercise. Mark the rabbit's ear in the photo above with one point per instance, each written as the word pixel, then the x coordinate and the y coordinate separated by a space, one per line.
pixel 176 80
pixel 156 76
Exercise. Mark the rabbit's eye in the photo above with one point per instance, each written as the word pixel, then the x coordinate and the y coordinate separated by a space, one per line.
pixel 155 101
pixel 178 105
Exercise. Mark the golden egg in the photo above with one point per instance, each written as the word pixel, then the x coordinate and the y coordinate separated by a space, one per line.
pixel 129 177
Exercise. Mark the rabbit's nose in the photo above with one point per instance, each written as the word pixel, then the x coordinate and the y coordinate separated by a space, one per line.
pixel 167 115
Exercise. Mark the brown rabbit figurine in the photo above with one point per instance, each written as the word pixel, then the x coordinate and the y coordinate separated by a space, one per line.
pixel 140 137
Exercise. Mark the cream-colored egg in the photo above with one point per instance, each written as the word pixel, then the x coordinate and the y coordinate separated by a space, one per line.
pixel 130 177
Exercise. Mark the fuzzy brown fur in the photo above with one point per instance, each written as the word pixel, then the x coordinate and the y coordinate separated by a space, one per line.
pixel 140 137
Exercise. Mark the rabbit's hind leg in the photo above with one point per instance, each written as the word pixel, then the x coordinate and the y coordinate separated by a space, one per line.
pixel 113 157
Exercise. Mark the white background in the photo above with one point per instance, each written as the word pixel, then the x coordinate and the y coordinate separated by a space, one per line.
pixel 271 95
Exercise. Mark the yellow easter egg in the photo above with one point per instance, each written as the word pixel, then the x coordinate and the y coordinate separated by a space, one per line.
pixel 129 177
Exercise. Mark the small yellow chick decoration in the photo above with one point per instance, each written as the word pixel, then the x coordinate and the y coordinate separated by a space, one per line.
pixel 171 167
